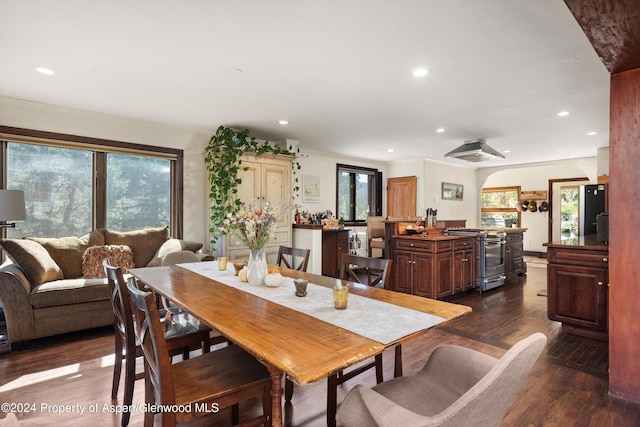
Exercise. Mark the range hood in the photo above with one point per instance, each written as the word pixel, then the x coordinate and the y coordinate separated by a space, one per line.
pixel 475 150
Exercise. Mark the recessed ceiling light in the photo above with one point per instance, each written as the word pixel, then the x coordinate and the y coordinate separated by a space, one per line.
pixel 235 71
pixel 563 113
pixel 390 150
pixel 440 130
pixel 592 133
pixel 283 122
pixel 420 72
pixel 45 70
pixel 506 151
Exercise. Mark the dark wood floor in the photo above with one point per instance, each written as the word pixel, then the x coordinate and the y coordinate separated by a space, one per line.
pixel 567 387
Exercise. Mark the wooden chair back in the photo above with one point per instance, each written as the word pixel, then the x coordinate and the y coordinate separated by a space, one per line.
pixel 377 270
pixel 150 334
pixel 287 255
pixel 122 315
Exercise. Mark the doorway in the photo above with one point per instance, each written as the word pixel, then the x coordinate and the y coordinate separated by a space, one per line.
pixel 562 212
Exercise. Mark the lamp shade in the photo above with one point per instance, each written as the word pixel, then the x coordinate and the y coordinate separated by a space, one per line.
pixel 12 205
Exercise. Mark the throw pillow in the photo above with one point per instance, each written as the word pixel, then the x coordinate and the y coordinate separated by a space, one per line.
pixel 33 259
pixel 170 246
pixel 144 243
pixel 117 255
pixel 67 251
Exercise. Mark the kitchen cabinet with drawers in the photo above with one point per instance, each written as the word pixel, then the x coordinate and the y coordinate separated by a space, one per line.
pixel 577 285
pixel 432 266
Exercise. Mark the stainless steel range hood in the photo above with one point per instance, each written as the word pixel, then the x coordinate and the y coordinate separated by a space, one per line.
pixel 475 150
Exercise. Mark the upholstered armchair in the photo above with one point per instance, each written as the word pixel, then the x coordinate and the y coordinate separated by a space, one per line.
pixel 456 387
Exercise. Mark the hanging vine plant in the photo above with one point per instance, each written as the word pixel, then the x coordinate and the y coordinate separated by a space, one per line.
pixel 223 159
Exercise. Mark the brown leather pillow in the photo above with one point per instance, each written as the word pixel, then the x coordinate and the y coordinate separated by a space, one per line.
pixel 33 259
pixel 144 243
pixel 67 251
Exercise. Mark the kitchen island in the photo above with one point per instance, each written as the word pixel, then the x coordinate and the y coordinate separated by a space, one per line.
pixel 436 265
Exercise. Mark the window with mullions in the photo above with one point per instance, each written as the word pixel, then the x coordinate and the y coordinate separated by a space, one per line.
pixel 358 193
pixel 498 207
pixel 71 187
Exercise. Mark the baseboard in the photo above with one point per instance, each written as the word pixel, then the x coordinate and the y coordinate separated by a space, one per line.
pixel 535 254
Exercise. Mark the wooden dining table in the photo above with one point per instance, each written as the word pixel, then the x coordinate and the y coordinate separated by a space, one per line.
pixel 287 341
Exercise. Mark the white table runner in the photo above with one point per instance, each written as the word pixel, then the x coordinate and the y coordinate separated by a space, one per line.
pixel 373 319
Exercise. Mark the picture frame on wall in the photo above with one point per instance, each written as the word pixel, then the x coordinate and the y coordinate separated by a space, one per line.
pixel 310 189
pixel 452 191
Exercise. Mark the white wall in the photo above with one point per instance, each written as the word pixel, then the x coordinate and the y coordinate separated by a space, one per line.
pixel 536 177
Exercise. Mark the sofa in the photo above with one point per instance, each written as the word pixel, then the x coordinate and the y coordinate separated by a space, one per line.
pixel 52 286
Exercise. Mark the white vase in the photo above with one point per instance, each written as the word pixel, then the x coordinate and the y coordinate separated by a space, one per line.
pixel 257 267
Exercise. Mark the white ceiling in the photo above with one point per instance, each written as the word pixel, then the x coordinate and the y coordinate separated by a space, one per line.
pixel 340 71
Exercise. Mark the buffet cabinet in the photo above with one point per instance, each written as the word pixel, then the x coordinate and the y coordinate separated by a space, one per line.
pixel 433 268
pixel 267 179
pixel 577 288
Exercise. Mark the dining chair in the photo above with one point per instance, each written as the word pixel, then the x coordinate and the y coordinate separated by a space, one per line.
pixel 183 333
pixel 287 256
pixel 375 234
pixel 204 384
pixel 376 270
pixel 456 387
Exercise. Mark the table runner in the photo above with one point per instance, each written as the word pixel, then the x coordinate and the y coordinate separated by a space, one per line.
pixel 376 320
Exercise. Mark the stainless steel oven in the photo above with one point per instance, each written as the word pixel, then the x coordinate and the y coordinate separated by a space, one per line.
pixel 490 257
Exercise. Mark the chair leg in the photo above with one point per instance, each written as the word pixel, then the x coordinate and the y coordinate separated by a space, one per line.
pixel 288 390
pixel 129 381
pixel 332 399
pixel 235 414
pixel 117 368
pixel 379 374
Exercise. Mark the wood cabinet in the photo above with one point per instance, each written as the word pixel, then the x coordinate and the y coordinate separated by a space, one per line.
pixel 464 265
pixel 334 244
pixel 577 287
pixel 433 268
pixel 266 180
pixel 513 254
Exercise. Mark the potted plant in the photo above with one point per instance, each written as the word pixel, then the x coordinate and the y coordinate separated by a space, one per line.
pixel 223 160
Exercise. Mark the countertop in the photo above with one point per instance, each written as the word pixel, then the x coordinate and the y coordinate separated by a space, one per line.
pixel 589 242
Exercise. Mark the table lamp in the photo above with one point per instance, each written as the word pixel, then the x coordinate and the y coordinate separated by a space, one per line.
pixel 11 207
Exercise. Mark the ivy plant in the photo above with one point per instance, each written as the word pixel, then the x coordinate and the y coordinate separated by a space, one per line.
pixel 223 160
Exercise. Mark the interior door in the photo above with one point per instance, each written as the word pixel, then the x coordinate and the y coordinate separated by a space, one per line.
pixel 401 196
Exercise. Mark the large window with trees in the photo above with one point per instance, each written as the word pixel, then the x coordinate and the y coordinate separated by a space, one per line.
pixel 358 193
pixel 75 184
pixel 499 207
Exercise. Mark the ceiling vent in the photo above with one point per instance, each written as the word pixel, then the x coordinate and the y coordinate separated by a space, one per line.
pixel 475 150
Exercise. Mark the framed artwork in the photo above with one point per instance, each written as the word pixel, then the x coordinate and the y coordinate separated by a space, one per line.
pixel 310 189
pixel 452 191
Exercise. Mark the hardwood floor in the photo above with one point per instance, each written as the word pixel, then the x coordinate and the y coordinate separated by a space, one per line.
pixel 567 387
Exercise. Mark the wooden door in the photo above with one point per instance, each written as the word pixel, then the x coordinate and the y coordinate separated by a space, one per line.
pixel 401 196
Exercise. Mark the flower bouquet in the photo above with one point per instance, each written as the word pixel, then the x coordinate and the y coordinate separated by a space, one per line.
pixel 255 227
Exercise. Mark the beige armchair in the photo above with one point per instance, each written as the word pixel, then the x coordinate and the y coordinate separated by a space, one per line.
pixel 375 234
pixel 456 387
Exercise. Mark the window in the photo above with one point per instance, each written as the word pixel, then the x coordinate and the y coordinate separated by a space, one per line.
pixel 75 184
pixel 359 193
pixel 499 207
